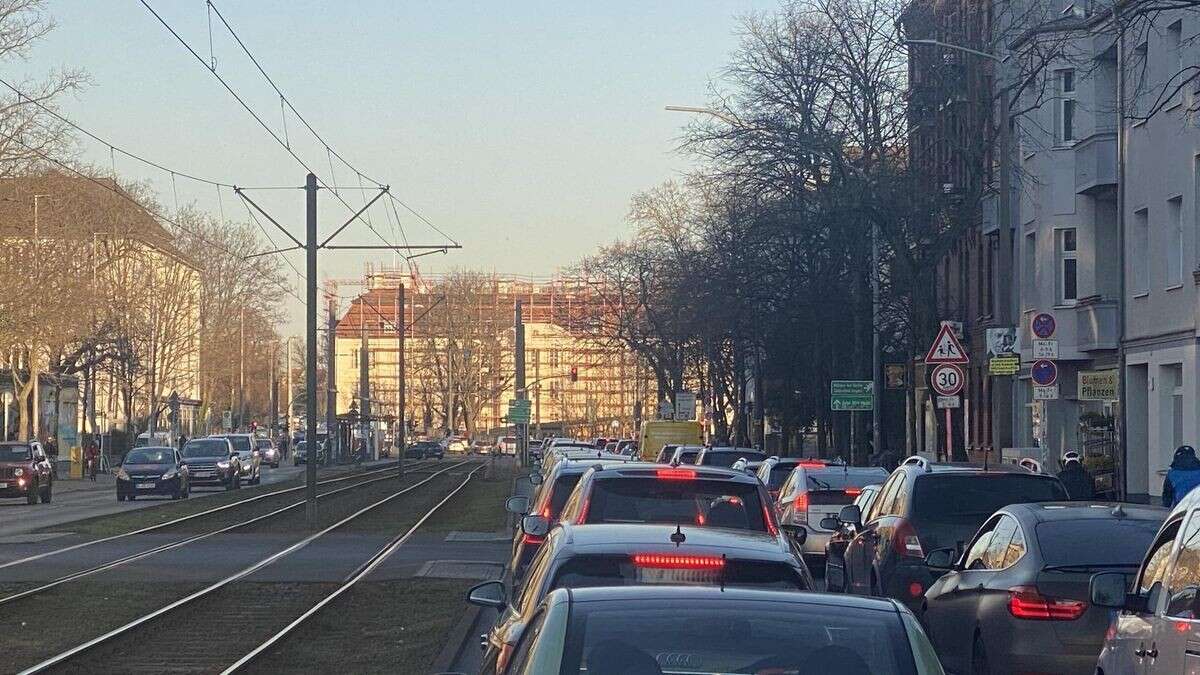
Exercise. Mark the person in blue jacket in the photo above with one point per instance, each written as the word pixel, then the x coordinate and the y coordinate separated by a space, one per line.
pixel 1183 476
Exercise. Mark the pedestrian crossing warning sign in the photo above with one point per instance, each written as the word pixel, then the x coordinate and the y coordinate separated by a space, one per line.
pixel 946 348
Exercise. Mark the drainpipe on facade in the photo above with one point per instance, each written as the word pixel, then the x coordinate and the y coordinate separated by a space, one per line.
pixel 1123 445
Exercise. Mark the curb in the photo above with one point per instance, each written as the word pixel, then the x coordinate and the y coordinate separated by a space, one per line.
pixel 457 641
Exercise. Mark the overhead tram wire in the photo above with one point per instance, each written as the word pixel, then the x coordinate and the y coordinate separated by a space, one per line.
pixel 328 148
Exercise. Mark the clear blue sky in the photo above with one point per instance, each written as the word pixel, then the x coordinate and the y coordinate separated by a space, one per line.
pixel 520 128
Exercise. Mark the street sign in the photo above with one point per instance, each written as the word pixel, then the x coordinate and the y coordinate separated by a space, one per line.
pixel 1045 393
pixel 947 379
pixel 946 348
pixel 1097 385
pixel 227 419
pixel 1045 349
pixel 1043 325
pixel 948 402
pixel 851 395
pixel 518 410
pixel 1044 373
pixel 685 406
pixel 1005 364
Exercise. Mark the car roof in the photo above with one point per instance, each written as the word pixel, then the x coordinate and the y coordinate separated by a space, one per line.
pixel 583 464
pixel 601 538
pixel 649 469
pixel 724 448
pixel 153 447
pixel 1091 510
pixel 668 594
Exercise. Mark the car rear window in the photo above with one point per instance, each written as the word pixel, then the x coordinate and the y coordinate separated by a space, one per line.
pixel 715 502
pixel 726 458
pixel 563 486
pixel 1073 542
pixel 839 479
pixel 779 474
pixel 733 636
pixel 949 497
pixel 624 570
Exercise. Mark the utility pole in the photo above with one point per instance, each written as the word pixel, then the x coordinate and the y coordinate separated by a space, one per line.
pixel 401 424
pixel 364 382
pixel 519 361
pixel 273 416
pixel 242 369
pixel 331 425
pixel 287 413
pixel 876 357
pixel 537 392
pixel 310 384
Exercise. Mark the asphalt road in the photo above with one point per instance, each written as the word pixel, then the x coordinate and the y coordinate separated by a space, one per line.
pixel 76 502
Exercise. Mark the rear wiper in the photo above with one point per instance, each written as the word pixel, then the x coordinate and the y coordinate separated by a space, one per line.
pixel 1087 566
pixel 819 483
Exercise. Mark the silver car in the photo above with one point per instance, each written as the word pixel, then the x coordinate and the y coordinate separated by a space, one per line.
pixel 816 490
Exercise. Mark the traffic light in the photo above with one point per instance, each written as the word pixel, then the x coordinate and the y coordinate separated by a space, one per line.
pixel 574 373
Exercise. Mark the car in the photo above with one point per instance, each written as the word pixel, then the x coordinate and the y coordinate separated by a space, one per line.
pixel 774 470
pixel 551 494
pixel 924 506
pixel 1155 626
pixel 152 470
pixel 246 447
pixel 602 442
pixel 710 456
pixel 300 453
pixel 455 445
pixel 565 452
pixel 1018 597
pixel 814 491
pixel 506 445
pixel 268 452
pixel 481 446
pixel 627 446
pixel 685 454
pixel 664 455
pixel 25 472
pixel 535 449
pixel 212 461
pixel 424 450
pixel 575 556
pixel 635 630
pixel 842 533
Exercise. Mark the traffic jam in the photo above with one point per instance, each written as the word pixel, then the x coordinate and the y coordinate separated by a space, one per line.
pixel 677 557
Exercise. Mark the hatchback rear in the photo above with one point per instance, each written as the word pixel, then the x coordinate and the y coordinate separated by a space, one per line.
pixel 816 490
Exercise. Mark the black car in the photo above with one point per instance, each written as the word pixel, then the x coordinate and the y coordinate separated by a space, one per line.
pixel 925 506
pixel 300 454
pixel 632 631
pixel 1019 595
pixel 727 456
pixel 575 556
pixel 425 450
pixel 835 547
pixel 212 461
pixel 152 471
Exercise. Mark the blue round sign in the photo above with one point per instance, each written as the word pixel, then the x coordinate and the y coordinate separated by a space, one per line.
pixel 1043 325
pixel 1044 373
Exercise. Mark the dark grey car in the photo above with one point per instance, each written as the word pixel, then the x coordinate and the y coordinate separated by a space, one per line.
pixel 1019 595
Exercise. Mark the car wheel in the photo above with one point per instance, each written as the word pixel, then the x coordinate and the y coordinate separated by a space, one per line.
pixel 979 662
pixel 177 494
pixel 31 497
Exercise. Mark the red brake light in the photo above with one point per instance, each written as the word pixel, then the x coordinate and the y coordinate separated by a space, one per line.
pixel 583 511
pixel 906 542
pixel 676 474
pixel 769 519
pixel 853 492
pixel 800 508
pixel 678 562
pixel 812 465
pixel 532 540
pixel 1024 602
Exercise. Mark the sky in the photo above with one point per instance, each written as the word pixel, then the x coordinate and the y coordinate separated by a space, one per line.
pixel 519 128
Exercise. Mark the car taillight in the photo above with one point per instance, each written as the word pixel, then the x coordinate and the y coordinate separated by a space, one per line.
pixel 675 474
pixel 769 519
pixel 583 511
pixel 532 540
pixel 666 561
pixel 800 508
pixel 906 542
pixel 853 492
pixel 1024 602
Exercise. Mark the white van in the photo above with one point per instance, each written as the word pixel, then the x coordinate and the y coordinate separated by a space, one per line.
pixel 157 439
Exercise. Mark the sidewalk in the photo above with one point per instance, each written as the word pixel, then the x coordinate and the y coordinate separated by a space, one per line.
pixel 104 482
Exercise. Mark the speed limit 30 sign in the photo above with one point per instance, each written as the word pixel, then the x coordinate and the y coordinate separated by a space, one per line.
pixel 947 379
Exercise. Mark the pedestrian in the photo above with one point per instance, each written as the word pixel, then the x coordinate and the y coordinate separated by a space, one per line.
pixel 1076 479
pixel 91 456
pixel 1182 477
pixel 183 439
pixel 52 451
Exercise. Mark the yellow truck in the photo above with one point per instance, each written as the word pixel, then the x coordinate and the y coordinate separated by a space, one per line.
pixel 657 433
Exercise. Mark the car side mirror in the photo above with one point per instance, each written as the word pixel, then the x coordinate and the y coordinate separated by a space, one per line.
pixel 941 558
pixel 850 514
pixel 1109 589
pixel 518 505
pixel 535 478
pixel 535 526
pixel 488 594
pixel 830 523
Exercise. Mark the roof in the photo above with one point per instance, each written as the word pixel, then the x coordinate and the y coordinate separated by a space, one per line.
pixel 648 469
pixel 78 208
pixel 599 538
pixel 1053 511
pixel 670 595
pixel 583 465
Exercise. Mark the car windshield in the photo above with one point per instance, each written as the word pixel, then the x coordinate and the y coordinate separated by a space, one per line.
pixel 263 444
pixel 206 447
pixel 726 458
pixel 734 637
pixel 15 452
pixel 240 443
pixel 150 456
pixel 1073 542
pixel 950 497
pixel 697 501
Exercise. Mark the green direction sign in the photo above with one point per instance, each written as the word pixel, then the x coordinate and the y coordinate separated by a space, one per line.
pixel 518 410
pixel 851 395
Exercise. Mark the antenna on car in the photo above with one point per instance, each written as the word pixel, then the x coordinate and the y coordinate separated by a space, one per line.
pixel 723 566
pixel 678 537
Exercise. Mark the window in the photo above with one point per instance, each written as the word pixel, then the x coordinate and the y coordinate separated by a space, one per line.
pixel 976 558
pixel 1029 268
pixel 528 637
pixel 1175 76
pixel 1174 240
pixel 882 506
pixel 1185 575
pixel 997 550
pixel 1065 110
pixel 1015 550
pixel 1141 250
pixel 1066 249
pixel 1155 567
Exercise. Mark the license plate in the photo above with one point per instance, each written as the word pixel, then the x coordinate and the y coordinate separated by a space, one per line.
pixel 3 486
pixel 145 486
pixel 204 474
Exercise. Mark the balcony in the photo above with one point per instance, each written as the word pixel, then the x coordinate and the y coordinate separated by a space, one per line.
pixel 1096 163
pixel 1096 324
